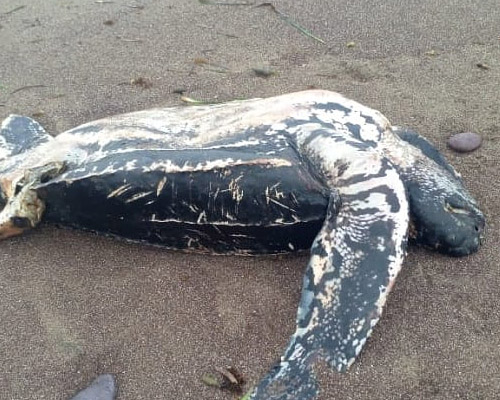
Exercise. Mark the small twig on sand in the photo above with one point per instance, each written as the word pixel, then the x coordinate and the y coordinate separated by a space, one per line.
pixel 291 22
pixel 140 81
pixel 14 10
pixel 189 100
pixel 27 87
pixel 226 3
pixel 221 69
pixel 229 35
pixel 130 40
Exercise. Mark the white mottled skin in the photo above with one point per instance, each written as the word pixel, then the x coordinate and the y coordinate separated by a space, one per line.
pixel 5 148
pixel 369 222
pixel 190 127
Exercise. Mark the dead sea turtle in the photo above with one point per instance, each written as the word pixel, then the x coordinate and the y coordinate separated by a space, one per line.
pixel 308 170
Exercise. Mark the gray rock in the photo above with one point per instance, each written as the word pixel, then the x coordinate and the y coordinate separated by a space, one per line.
pixel 101 388
pixel 465 141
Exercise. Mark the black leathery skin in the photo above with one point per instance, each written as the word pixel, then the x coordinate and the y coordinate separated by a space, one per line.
pixel 20 222
pixel 185 196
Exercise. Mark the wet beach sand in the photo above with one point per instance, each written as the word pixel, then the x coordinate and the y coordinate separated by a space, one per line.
pixel 74 305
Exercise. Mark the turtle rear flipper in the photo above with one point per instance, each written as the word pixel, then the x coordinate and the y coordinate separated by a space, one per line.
pixel 19 134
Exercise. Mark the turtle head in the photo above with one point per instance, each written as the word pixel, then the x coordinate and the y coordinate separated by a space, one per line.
pixel 444 215
pixel 19 212
pixel 20 206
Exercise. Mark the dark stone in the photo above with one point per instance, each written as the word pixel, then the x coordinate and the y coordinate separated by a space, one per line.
pixel 465 142
pixel 102 388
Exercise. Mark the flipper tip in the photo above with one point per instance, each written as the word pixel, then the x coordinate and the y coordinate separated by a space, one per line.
pixel 288 380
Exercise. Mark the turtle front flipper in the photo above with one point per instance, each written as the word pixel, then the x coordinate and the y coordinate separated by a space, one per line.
pixel 354 262
pixel 19 134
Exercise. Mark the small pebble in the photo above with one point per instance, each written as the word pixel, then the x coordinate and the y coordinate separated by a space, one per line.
pixel 101 388
pixel 465 142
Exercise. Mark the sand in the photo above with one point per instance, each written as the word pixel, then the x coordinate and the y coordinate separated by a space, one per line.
pixel 74 305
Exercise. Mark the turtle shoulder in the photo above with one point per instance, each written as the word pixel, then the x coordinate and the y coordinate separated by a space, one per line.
pixel 426 147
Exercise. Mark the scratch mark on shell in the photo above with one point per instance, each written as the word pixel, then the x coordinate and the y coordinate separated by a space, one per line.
pixel 119 191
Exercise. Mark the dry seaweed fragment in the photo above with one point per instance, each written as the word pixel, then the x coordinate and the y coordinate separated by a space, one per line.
pixel 200 61
pixel 264 72
pixel 210 380
pixel 139 81
pixel 229 379
pixel 228 375
pixel 142 82
pixel 211 66
pixel 291 22
pixel 483 66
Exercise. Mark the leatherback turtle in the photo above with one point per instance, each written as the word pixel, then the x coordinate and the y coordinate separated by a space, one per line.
pixel 308 170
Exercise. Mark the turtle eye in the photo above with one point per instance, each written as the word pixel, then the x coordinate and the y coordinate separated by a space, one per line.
pixel 455 209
